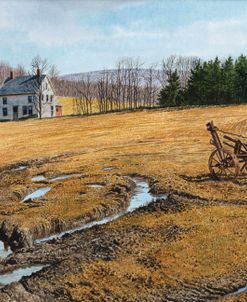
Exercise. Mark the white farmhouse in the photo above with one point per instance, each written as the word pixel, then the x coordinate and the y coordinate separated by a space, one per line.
pixel 26 96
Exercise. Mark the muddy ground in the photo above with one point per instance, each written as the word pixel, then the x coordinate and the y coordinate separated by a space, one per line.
pixel 85 266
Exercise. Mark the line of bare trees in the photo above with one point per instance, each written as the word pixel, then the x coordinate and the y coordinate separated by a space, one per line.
pixel 5 69
pixel 129 86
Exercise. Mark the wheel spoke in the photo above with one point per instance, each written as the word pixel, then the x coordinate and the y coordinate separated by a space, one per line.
pixel 215 160
pixel 224 165
pixel 217 154
pixel 231 172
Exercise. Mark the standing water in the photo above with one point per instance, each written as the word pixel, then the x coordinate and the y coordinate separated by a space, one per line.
pixel 140 198
pixel 19 168
pixel 38 178
pixel 17 274
pixel 4 250
pixel 62 177
pixel 38 193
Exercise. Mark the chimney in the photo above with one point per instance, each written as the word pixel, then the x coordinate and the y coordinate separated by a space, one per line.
pixel 11 75
pixel 38 72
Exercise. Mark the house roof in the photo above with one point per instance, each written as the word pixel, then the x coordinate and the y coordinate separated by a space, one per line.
pixel 21 85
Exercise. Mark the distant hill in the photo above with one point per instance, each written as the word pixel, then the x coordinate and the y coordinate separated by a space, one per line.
pixel 96 75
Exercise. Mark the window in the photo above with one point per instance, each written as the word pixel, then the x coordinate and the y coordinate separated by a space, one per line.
pixel 42 97
pixel 30 99
pixel 5 100
pixel 24 110
pixel 47 98
pixel 5 111
pixel 52 110
pixel 46 86
pixel 30 110
pixel 51 98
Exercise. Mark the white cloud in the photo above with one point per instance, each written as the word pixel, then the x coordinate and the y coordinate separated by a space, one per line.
pixel 222 37
pixel 42 26
pixel 54 23
pixel 203 38
pixel 122 32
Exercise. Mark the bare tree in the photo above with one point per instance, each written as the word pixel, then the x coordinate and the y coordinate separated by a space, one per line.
pixel 20 70
pixel 151 87
pixel 53 72
pixel 181 64
pixel 5 69
pixel 38 67
pixel 39 63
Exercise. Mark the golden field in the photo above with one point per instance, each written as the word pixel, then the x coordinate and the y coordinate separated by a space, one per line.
pixel 171 148
pixel 69 105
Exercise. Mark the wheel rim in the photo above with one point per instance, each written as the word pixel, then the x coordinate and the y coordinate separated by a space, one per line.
pixel 226 168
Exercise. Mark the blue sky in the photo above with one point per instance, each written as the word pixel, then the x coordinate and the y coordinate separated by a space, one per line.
pixel 86 35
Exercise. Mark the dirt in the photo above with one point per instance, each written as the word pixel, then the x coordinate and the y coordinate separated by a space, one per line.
pixel 75 254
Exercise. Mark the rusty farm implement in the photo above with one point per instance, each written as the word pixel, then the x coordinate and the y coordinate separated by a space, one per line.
pixel 229 158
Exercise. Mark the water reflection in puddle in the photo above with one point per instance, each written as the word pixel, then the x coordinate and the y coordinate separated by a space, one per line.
pixel 239 291
pixel 62 177
pixel 38 193
pixel 95 185
pixel 38 178
pixel 108 168
pixel 4 250
pixel 140 198
pixel 19 168
pixel 16 275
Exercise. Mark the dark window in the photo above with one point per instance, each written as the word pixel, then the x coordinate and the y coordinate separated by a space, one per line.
pixel 42 97
pixel 5 111
pixel 51 98
pixel 46 86
pixel 24 110
pixel 47 98
pixel 30 110
pixel 5 101
pixel 30 99
pixel 52 110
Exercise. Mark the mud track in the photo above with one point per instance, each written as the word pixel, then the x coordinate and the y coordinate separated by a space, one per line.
pixel 72 254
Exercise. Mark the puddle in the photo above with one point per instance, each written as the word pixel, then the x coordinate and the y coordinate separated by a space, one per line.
pixel 38 178
pixel 19 168
pixel 38 193
pixel 140 198
pixel 17 274
pixel 62 177
pixel 108 168
pixel 96 185
pixel 239 291
pixel 4 250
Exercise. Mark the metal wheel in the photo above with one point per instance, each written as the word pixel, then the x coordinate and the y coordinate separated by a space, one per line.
pixel 223 169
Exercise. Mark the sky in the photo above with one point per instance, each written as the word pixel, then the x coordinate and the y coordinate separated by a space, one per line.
pixel 88 35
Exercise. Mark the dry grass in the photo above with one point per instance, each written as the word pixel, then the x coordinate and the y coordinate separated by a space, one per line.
pixel 168 146
pixel 171 147
pixel 69 105
pixel 216 247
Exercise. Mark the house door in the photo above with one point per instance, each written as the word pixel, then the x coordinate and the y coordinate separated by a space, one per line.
pixel 15 112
